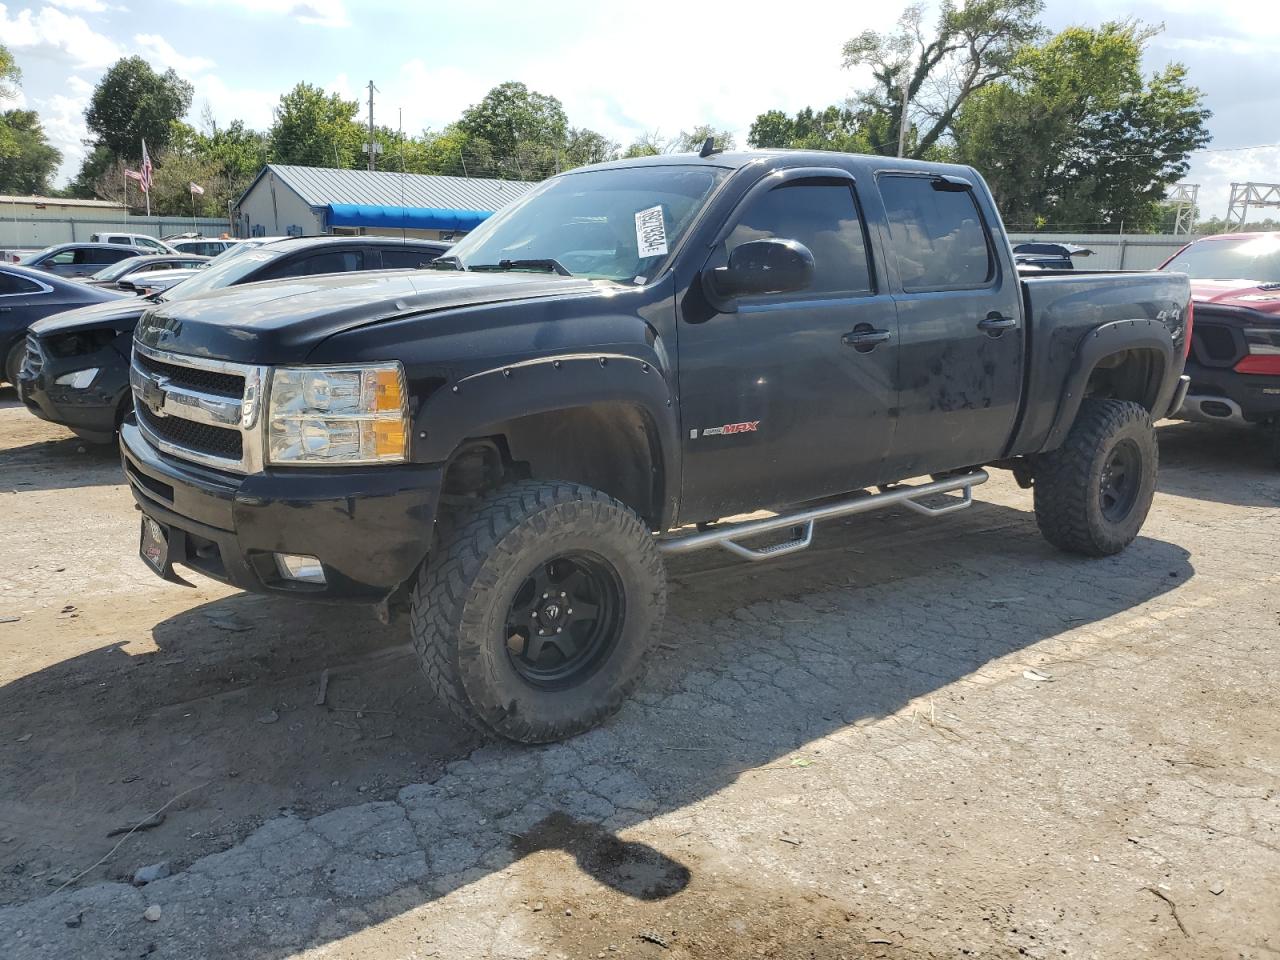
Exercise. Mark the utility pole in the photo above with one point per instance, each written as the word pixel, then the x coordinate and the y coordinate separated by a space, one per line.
pixel 902 120
pixel 372 147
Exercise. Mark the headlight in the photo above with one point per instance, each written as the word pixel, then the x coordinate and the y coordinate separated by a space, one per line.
pixel 78 380
pixel 338 415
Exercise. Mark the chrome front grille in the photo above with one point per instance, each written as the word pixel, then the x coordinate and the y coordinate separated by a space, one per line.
pixel 205 411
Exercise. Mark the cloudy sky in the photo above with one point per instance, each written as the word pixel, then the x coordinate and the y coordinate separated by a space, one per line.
pixel 619 68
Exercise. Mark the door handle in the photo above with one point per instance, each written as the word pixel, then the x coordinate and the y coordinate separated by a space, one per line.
pixel 995 323
pixel 864 338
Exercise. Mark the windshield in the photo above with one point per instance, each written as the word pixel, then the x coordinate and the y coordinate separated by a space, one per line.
pixel 1248 258
pixel 116 270
pixel 603 224
pixel 222 271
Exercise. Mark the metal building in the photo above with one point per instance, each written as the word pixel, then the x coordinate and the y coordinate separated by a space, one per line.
pixel 304 201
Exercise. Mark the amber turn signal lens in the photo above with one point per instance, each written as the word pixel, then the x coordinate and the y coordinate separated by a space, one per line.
pixel 388 438
pixel 387 391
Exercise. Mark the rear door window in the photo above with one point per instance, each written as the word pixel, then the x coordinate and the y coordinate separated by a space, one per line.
pixel 330 261
pixel 12 285
pixel 938 236
pixel 403 258
pixel 99 255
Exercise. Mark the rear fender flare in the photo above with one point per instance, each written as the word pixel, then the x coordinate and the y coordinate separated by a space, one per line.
pixel 1105 341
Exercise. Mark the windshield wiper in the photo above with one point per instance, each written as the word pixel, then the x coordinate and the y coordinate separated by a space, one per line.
pixel 449 261
pixel 547 264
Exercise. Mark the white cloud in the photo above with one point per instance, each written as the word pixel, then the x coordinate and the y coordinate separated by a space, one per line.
pixel 56 35
pixel 321 13
pixel 158 51
pixel 617 82
pixel 63 120
pixel 83 6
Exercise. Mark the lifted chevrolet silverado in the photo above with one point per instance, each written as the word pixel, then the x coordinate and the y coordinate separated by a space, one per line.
pixel 508 442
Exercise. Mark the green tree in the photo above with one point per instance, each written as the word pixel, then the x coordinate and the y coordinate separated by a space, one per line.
pixel 132 103
pixel 835 128
pixel 691 141
pixel 316 129
pixel 512 117
pixel 972 45
pixel 583 146
pixel 28 164
pixel 9 77
pixel 1077 138
pixel 9 74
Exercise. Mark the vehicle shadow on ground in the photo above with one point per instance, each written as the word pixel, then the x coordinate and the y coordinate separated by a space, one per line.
pixel 756 662
pixel 64 464
pixel 1196 457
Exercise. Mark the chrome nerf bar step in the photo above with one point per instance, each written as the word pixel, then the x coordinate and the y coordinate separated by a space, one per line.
pixel 801 522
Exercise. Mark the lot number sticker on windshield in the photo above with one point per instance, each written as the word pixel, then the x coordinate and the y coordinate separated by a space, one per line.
pixel 651 233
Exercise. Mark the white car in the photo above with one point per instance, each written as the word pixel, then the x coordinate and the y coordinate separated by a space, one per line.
pixel 202 246
pixel 139 241
pixel 148 283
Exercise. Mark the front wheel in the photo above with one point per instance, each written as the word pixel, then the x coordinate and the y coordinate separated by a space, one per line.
pixel 1093 493
pixel 538 611
pixel 13 363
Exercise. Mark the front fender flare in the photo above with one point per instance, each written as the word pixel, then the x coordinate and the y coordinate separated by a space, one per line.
pixel 477 403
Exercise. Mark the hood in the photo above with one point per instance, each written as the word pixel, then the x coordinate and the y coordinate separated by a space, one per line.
pixel 281 321
pixel 118 312
pixel 1243 294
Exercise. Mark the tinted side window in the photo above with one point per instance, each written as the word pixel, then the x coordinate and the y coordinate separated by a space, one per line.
pixel 332 261
pixel 99 255
pixel 398 258
pixel 937 235
pixel 821 215
pixel 10 284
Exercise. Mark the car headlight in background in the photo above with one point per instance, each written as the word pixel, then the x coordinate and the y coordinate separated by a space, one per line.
pixel 338 415
pixel 78 380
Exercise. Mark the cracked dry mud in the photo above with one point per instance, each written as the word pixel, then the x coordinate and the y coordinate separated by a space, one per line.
pixel 838 754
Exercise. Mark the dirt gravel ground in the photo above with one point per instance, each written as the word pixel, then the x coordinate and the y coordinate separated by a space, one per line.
pixel 917 739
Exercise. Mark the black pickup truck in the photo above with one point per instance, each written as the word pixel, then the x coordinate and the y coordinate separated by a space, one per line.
pixel 508 442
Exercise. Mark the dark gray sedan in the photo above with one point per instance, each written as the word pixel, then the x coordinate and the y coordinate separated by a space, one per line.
pixel 27 296
pixel 78 259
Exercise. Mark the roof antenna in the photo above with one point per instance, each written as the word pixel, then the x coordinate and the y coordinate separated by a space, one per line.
pixel 709 147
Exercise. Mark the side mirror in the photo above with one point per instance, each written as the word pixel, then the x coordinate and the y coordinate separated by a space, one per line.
pixel 760 267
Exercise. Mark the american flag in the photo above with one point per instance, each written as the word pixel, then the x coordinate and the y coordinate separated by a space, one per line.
pixel 133 174
pixel 145 180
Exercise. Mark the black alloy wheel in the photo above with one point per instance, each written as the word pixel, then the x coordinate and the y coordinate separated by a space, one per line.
pixel 1120 481
pixel 564 620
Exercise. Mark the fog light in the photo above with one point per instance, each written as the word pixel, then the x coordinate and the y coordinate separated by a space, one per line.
pixel 298 566
pixel 79 380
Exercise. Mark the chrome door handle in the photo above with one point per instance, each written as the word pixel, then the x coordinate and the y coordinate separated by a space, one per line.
pixel 864 338
pixel 995 323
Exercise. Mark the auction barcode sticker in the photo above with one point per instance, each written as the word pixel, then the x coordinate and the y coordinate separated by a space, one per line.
pixel 651 232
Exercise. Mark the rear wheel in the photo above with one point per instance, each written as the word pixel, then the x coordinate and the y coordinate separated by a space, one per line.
pixel 538 610
pixel 1093 493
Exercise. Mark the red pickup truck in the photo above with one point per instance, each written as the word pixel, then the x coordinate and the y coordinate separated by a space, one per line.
pixel 1234 362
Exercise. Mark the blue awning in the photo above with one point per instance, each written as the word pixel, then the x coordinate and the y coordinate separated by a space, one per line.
pixel 404 218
